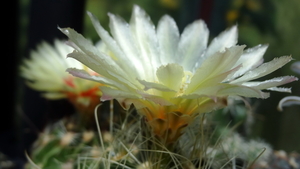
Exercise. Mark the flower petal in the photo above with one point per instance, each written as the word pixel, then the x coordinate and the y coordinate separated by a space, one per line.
pixel 122 35
pixel 210 86
pixel 208 105
pixel 235 90
pixel 280 89
pixel 92 62
pixel 170 75
pixel 110 93
pixel 168 38
pixel 144 33
pixel 225 89
pixel 226 39
pixel 89 55
pixel 42 85
pixel 81 43
pixel 54 95
pixel 157 86
pixel 192 44
pixel 250 59
pixel 263 69
pixel 271 83
pixel 214 67
pixel 156 99
pixel 106 69
pixel 112 45
pixel 83 74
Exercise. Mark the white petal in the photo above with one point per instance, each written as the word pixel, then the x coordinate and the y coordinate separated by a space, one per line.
pixel 144 34
pixel 170 75
pixel 224 89
pixel 192 96
pixel 83 74
pixel 242 91
pixel 227 60
pixel 122 34
pixel 250 59
pixel 209 86
pixel 226 39
pixel 113 46
pixel 208 90
pixel 216 67
pixel 44 85
pixel 152 85
pixel 98 63
pixel 132 84
pixel 105 66
pixel 156 99
pixel 280 89
pixel 54 95
pixel 263 69
pixel 193 42
pixel 90 55
pixel 110 93
pixel 271 83
pixel 85 45
pixel 168 38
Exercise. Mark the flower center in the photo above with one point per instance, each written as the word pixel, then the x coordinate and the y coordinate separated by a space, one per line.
pixel 185 82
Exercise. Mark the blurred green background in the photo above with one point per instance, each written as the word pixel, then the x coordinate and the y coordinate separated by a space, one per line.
pixel 273 22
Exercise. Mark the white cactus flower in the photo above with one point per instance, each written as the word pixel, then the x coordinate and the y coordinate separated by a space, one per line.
pixel 45 71
pixel 159 70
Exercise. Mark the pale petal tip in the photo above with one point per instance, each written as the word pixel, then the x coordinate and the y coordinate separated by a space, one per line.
pixel 138 11
pixel 290 79
pixel 136 7
pixel 289 58
pixel 166 17
pixel 90 13
pixel 110 15
pixel 295 79
pixel 92 16
pixel 262 47
pixel 70 70
pixel 64 30
pixel 264 95
pixel 233 29
pixel 77 72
